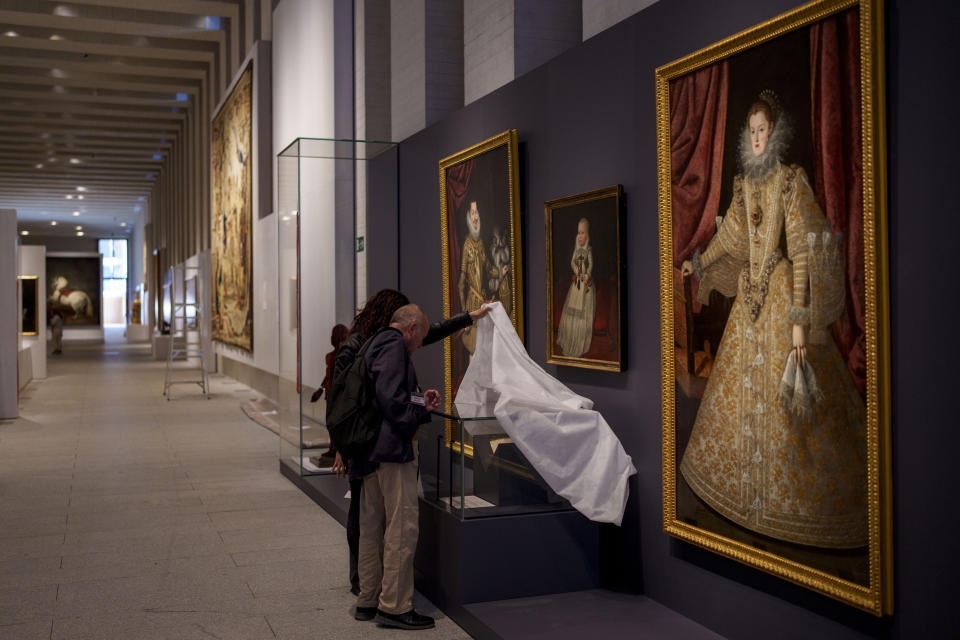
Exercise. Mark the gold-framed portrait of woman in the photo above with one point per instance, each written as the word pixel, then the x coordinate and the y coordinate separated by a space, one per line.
pixel 773 281
pixel 481 244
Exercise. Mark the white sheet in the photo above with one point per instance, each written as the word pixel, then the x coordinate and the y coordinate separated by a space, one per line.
pixel 568 443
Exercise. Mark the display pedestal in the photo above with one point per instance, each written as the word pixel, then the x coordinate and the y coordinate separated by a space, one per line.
pixel 460 562
pixel 138 333
pixel 160 346
pixel 25 362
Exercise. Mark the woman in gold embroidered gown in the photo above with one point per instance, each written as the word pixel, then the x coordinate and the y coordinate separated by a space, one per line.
pixel 779 441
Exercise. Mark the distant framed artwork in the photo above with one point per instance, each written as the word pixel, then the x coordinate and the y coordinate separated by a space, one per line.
pixel 480 239
pixel 30 304
pixel 190 298
pixel 74 287
pixel 584 273
pixel 231 209
pixel 773 286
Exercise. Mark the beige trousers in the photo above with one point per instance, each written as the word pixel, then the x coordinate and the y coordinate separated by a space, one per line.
pixel 389 528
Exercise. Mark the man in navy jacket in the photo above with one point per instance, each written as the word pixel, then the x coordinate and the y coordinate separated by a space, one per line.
pixel 389 507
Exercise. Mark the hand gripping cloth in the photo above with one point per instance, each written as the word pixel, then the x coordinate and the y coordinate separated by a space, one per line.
pixel 569 444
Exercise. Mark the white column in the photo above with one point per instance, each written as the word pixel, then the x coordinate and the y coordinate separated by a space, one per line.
pixel 9 314
pixel 488 46
pixel 599 15
pixel 504 39
pixel 408 90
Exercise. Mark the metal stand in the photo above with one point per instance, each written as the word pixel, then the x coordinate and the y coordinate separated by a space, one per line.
pixel 182 349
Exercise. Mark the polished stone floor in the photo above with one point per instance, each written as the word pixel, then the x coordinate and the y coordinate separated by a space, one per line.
pixel 123 515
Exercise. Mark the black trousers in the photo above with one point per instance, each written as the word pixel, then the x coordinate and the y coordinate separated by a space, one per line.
pixel 353 531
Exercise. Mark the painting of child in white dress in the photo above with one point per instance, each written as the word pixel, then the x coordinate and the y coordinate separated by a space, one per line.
pixel 583 281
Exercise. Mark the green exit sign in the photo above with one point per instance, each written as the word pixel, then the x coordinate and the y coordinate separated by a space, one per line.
pixel 359 244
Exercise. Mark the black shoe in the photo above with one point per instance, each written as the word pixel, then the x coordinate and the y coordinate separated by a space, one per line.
pixel 409 620
pixel 365 613
pixel 355 590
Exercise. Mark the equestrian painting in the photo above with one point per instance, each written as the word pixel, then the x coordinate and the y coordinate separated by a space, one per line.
pixel 73 288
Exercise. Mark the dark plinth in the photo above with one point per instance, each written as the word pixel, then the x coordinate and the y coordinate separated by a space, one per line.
pixel 490 559
pixel 326 490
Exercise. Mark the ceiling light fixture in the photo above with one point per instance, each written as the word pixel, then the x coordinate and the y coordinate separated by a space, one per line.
pixel 80 197
pixel 123 224
pixel 24 233
pixel 69 196
pixel 56 37
pixel 53 223
pixel 79 233
pixel 11 34
pixel 79 227
pixel 74 160
pixel 81 188
pixel 76 213
pixel 39 165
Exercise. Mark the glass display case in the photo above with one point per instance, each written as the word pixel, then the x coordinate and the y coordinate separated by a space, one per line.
pixel 487 476
pixel 324 187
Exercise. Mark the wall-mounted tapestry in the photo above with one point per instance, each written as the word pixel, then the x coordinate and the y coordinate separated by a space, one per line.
pixel 773 285
pixel 231 238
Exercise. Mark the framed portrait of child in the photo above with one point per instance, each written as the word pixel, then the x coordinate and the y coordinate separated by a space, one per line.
pixel 584 274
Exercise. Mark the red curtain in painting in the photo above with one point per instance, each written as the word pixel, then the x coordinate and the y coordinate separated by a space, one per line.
pixel 458 180
pixel 698 115
pixel 838 151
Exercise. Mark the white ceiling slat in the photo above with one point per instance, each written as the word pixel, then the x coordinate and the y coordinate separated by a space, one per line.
pixel 96 25
pixel 191 7
pixel 115 84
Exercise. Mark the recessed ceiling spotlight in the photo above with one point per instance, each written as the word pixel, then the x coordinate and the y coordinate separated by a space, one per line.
pixel 81 188
pixel 39 165
pixel 123 224
pixel 58 73
pixel 56 37
pixel 24 233
pixel 80 197
pixel 69 196
pixel 79 227
pixel 11 34
pixel 79 233
pixel 53 223
pixel 76 213
pixel 74 160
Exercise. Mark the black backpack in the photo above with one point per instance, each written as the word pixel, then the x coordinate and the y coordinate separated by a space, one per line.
pixel 353 416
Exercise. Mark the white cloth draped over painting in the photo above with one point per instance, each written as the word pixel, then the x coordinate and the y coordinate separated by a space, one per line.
pixel 571 446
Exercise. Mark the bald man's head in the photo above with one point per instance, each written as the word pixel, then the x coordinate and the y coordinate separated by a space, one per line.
pixel 412 323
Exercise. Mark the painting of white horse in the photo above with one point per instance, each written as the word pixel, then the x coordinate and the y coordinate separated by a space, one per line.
pixel 77 300
pixel 73 288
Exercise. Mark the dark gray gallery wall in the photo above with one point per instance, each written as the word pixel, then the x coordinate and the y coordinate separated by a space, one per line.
pixel 587 120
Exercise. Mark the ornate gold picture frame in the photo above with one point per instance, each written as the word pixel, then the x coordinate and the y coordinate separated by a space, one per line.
pixel 481 244
pixel 773 293
pixel 584 273
pixel 29 305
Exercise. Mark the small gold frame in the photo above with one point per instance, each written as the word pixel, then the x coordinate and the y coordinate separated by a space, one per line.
pixel 31 281
pixel 551 208
pixel 511 221
pixel 876 596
